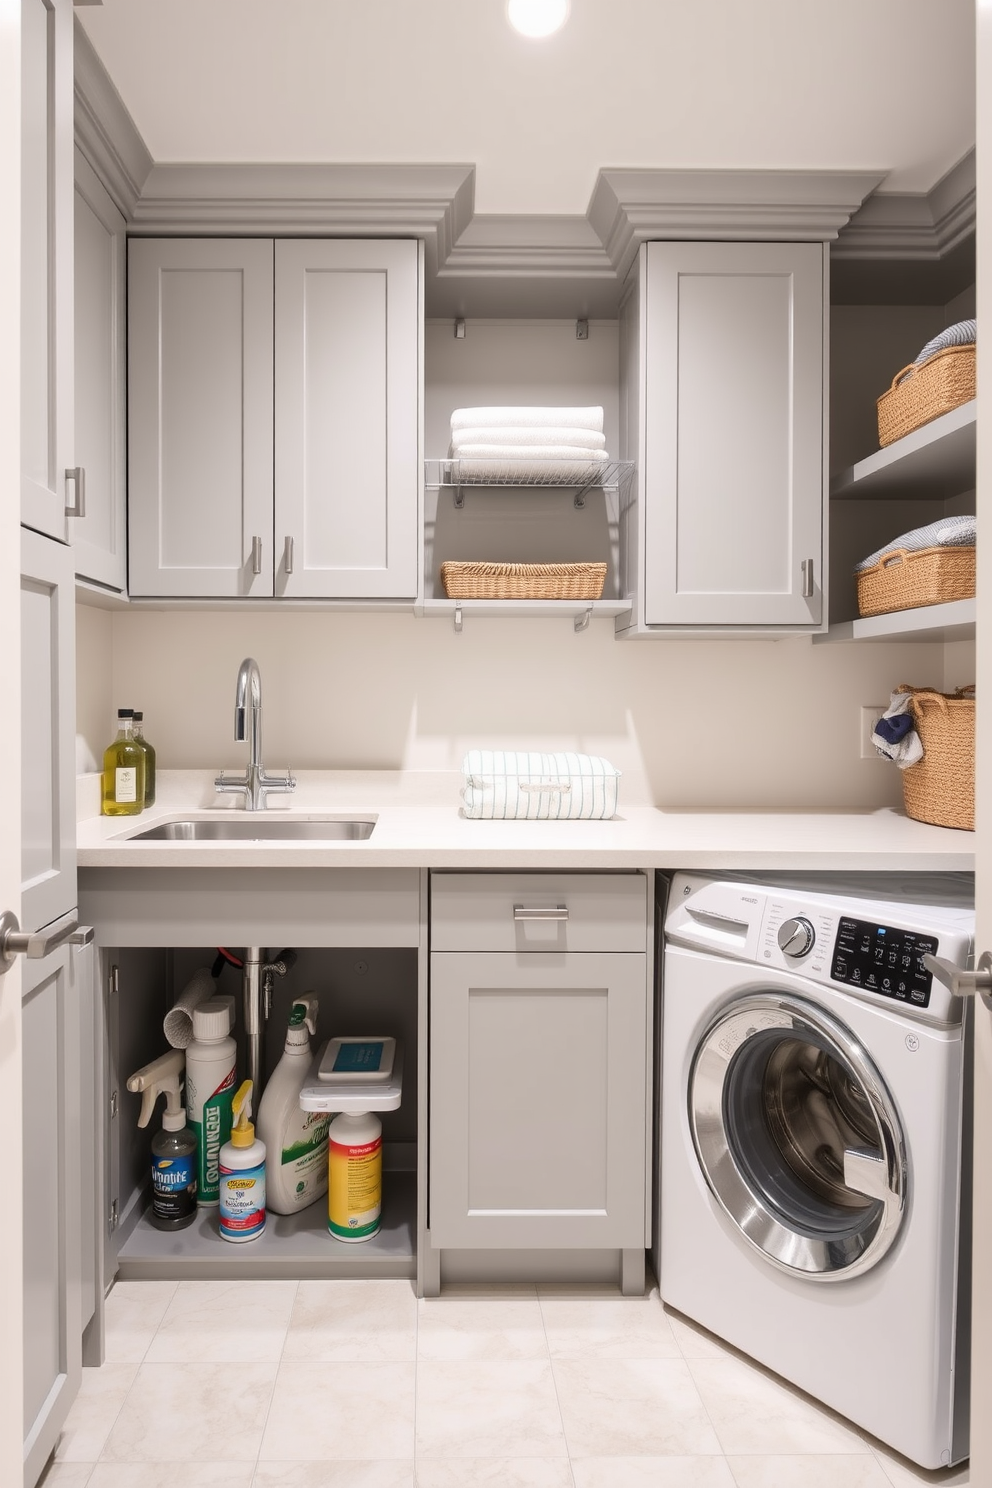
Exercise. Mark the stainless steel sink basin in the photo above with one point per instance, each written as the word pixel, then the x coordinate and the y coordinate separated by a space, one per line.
pixel 257 828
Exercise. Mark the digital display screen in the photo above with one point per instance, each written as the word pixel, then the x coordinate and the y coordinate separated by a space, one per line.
pixel 882 960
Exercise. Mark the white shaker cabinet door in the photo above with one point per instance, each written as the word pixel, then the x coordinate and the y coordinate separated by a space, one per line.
pixel 200 417
pixel 347 420
pixel 538 1093
pixel 99 533
pixel 732 479
pixel 47 486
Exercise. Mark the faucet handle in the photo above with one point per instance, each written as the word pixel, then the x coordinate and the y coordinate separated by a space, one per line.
pixel 231 783
pixel 277 784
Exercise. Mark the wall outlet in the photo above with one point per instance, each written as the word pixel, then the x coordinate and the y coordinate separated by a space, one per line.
pixel 870 714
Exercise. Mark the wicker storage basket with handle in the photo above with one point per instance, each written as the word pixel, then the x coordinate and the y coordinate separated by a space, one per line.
pixel 903 579
pixel 923 391
pixel 941 788
pixel 523 580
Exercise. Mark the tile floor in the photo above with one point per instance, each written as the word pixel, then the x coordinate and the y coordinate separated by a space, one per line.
pixel 323 1384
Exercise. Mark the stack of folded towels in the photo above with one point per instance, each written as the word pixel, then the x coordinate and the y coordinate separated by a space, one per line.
pixel 526 444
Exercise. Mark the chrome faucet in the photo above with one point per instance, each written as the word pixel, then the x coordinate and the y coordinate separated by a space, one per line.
pixel 255 785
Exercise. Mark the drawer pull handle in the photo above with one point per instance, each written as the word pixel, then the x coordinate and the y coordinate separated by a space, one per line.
pixel 540 912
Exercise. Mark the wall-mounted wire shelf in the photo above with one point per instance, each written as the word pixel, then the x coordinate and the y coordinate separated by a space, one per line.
pixel 579 476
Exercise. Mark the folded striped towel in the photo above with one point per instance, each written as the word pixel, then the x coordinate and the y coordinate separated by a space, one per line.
pixel 529 786
pixel 963 333
pixel 521 434
pixel 498 418
pixel 946 532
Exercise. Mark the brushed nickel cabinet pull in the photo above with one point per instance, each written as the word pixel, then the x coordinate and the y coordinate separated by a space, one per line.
pixel 807 567
pixel 288 556
pixel 77 475
pixel 256 555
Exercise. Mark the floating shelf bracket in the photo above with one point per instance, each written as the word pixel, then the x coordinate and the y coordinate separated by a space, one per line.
pixel 458 618
pixel 581 621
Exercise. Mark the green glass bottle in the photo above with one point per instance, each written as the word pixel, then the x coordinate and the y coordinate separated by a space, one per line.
pixel 139 734
pixel 123 791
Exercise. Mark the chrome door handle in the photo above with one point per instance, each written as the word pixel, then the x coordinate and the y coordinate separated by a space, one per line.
pixel 288 556
pixel 37 944
pixel 540 912
pixel 963 983
pixel 256 555
pixel 77 475
pixel 807 572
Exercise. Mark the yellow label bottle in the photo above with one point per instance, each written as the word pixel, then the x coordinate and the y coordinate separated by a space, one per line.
pixel 354 1176
pixel 123 792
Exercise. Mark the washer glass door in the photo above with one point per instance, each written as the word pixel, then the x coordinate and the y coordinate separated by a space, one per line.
pixel 797 1136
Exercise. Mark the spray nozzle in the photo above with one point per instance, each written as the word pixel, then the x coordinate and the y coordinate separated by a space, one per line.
pixel 303 1013
pixel 242 1129
pixel 161 1076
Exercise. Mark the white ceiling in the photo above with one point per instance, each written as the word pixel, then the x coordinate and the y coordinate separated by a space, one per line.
pixel 883 85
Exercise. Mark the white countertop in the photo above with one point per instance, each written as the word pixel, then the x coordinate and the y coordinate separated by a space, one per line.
pixel 418 826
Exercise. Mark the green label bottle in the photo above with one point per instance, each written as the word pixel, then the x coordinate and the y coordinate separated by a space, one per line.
pixel 123 791
pixel 139 734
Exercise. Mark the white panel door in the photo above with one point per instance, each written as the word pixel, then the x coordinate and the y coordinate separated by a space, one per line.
pixel 99 537
pixel 48 731
pixel 200 417
pixel 733 434
pixel 537 1100
pixel 46 263
pixel 347 461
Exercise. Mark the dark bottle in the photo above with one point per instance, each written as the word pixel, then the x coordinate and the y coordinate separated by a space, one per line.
pixel 139 734
pixel 173 1173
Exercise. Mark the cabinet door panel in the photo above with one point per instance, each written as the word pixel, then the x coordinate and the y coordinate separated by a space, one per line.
pixel 347 474
pixel 733 433
pixel 48 723
pixel 200 417
pixel 537 1104
pixel 46 262
pixel 98 538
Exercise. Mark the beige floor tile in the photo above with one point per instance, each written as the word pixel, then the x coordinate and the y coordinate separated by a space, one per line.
pixel 904 1474
pixel 167 1475
pixel 504 1408
pixel 694 1341
pixel 608 1328
pixel 224 1322
pixel 357 1320
pixel 753 1413
pixel 134 1310
pixel 490 1472
pixel 653 1472
pixel 492 1289
pixel 102 1393
pixel 632 1407
pixel 337 1411
pixel 478 1327
pixel 191 1411
pixel 334 1475
pixel 66 1475
pixel 834 1471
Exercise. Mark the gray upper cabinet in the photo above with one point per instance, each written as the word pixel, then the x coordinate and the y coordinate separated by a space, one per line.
pixel 722 407
pixel 274 418
pixel 47 485
pixel 99 534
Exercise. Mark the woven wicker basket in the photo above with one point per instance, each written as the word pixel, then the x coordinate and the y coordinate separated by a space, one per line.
pixel 941 788
pixel 905 580
pixel 523 580
pixel 942 382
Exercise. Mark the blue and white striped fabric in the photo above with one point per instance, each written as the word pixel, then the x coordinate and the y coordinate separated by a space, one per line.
pixel 964 333
pixel 529 786
pixel 946 532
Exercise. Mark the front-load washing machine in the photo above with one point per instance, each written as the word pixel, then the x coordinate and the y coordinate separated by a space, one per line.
pixel 814 1139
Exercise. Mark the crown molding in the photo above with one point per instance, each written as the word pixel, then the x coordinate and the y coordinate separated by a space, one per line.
pixel 105 132
pixel 922 226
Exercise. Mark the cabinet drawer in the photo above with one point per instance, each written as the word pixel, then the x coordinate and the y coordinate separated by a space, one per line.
pixel 552 912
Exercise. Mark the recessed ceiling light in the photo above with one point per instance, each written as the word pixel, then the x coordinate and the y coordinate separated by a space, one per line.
pixel 537 17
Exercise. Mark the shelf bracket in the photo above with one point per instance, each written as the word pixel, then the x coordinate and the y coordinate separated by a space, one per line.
pixel 459 497
pixel 458 618
pixel 581 621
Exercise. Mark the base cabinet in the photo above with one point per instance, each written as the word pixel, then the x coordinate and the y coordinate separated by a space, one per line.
pixel 538 1063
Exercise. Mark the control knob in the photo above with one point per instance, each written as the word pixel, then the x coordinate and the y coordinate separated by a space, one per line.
pixel 796 936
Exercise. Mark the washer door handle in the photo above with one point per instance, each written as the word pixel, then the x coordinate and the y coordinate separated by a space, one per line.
pixel 963 983
pixel 867 1173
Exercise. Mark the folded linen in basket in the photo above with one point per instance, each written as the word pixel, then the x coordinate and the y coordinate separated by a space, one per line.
pixel 529 418
pixel 521 434
pixel 531 786
pixel 946 532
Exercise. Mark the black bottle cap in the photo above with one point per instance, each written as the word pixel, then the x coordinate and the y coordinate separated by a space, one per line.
pixel 138 715
pixel 125 712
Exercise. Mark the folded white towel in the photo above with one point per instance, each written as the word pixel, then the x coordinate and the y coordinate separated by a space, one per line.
pixel 538 787
pixel 528 452
pixel 520 434
pixel 499 418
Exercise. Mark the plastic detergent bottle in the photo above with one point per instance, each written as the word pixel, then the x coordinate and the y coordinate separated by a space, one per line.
pixel 242 1175
pixel 354 1168
pixel 295 1140
pixel 173 1148
pixel 210 1082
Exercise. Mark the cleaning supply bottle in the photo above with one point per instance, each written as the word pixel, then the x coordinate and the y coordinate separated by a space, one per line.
pixel 173 1148
pixel 210 1082
pixel 139 734
pixel 123 786
pixel 295 1140
pixel 242 1175
pixel 354 1166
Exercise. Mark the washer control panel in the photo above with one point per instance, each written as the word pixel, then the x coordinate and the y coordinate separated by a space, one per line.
pixel 883 960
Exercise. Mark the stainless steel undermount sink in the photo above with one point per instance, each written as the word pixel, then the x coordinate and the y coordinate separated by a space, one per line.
pixel 257 827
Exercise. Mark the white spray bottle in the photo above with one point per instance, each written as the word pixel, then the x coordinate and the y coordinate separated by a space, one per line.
pixel 295 1140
